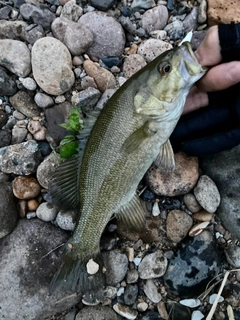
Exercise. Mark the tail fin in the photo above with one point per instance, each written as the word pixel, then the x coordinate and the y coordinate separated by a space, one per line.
pixel 73 276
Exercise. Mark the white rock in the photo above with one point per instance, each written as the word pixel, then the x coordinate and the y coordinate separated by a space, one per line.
pixel 46 169
pixel 66 220
pixel 155 209
pixel 125 311
pixel 120 291
pixel 29 83
pixel 197 315
pixel 151 291
pixel 153 265
pixel 191 303
pixel 92 267
pixel 46 211
pixel 137 261
pixel 142 306
pixel 213 297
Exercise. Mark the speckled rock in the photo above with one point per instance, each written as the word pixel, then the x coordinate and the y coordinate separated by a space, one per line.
pixel 221 11
pixel 52 66
pixel 34 34
pixel 46 211
pixel 20 159
pixel 194 264
pixel 178 182
pixel 116 265
pixel 178 224
pixel 8 209
pixel 104 98
pixel 23 102
pixel 26 188
pixel 19 253
pixel 29 83
pixel 132 64
pixel 109 37
pixel 15 56
pixel 14 30
pixel 155 18
pixel 130 294
pixel 46 169
pixel 207 194
pixel 152 48
pixel 43 16
pixel 76 37
pixel 71 11
pixel 67 220
pixel 103 78
pixel 96 313
pixel 153 265
pixel 175 30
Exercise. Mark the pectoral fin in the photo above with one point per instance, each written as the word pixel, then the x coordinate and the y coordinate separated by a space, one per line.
pixel 165 159
pixel 132 214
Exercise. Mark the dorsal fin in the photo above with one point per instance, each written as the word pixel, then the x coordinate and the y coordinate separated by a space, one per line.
pixel 64 188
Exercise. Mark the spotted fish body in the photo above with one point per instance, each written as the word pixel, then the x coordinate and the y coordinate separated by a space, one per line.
pixel 131 132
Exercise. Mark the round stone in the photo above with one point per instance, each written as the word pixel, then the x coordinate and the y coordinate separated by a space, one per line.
pixel 52 66
pixel 46 211
pixel 43 100
pixel 26 188
pixel 155 18
pixel 178 224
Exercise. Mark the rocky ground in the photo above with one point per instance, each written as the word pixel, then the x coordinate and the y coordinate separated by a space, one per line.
pixel 59 54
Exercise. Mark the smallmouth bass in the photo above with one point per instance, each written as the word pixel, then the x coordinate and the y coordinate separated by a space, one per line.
pixel 131 132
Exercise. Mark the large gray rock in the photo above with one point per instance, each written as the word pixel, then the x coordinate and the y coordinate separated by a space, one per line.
pixel 15 56
pixel 76 37
pixel 224 169
pixel 8 210
pixel 108 34
pixel 26 270
pixel 52 66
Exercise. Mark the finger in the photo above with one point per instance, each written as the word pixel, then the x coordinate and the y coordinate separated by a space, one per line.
pixel 220 77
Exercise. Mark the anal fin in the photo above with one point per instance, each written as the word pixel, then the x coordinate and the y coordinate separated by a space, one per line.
pixel 165 159
pixel 132 214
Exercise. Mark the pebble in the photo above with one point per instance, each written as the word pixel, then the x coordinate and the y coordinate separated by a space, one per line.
pixel 152 48
pixel 20 159
pixel 46 212
pixel 110 45
pixel 88 82
pixel 155 18
pixel 197 315
pixel 190 22
pixel 18 115
pixel 96 313
pixel 191 203
pixel 75 36
pixel 44 17
pixel 104 98
pixel 153 265
pixel 151 291
pixel 3 118
pixel 125 311
pixel 207 194
pixel 142 4
pixel 46 169
pixel 116 264
pixel 5 138
pixel 195 263
pixel 44 148
pixel 22 208
pixel 103 78
pixel 203 216
pixel 86 99
pixel 175 30
pixel 18 134
pixel 15 30
pixel 60 99
pixel 102 5
pixel 15 56
pixel 37 130
pixel 132 64
pixel 71 11
pixel 175 183
pixel 130 294
pixel 159 34
pixel 178 311
pixel 32 205
pixel 52 66
pixel 29 83
pixel 26 188
pixel 142 306
pixel 7 84
pixel 191 303
pixel 178 224
pixel 67 220
pixel 132 276
pixel 213 297
pixel 24 103
pixel 34 34
pixel 92 267
pixel 42 100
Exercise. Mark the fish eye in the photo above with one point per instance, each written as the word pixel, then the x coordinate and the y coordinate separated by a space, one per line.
pixel 165 69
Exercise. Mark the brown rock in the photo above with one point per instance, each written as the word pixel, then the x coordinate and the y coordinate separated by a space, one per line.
pixel 26 188
pixel 132 64
pixel 103 78
pixel 178 224
pixel 175 183
pixel 203 216
pixel 22 208
pixel 32 205
pixel 223 11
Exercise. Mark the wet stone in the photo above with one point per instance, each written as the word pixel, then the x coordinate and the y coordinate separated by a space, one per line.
pixel 20 159
pixel 194 264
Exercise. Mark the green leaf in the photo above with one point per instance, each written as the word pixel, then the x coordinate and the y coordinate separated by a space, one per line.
pixel 74 122
pixel 67 139
pixel 69 149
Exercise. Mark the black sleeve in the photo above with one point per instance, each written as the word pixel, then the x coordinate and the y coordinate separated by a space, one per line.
pixel 229 37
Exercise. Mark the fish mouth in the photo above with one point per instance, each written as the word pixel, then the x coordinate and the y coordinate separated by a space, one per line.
pixel 189 64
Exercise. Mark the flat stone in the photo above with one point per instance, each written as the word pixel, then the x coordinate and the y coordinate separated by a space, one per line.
pixel 152 48
pixel 34 34
pixel 39 262
pixel 207 194
pixel 132 64
pixel 178 224
pixel 15 56
pixel 14 30
pixel 75 36
pixel 153 265
pixel 8 209
pixel 52 66
pixel 125 311
pixel 191 203
pixel 221 11
pixel 108 34
pixel 175 183
pixel 43 16
pixel 86 99
pixel 103 78
pixel 151 291
pixel 155 18
pixel 23 102
pixel 116 265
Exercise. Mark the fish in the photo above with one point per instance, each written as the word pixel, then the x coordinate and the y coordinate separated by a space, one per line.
pixel 131 132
